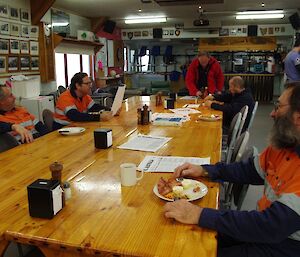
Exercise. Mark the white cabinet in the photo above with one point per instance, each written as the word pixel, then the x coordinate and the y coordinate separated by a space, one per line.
pixel 36 105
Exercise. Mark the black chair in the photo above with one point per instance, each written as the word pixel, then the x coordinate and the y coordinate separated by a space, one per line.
pixel 7 142
pixel 48 119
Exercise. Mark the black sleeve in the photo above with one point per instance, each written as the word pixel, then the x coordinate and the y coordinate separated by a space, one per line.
pixel 75 115
pixel 5 127
pixel 41 128
pixel 98 107
pixel 225 97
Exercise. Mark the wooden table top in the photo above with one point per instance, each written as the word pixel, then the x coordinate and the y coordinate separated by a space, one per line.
pixel 102 216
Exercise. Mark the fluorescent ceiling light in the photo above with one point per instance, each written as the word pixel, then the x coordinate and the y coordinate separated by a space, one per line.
pixel 145 20
pixel 260 16
pixel 260 12
pixel 60 24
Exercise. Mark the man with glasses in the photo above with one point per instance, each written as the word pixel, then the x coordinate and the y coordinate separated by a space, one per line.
pixel 75 104
pixel 274 228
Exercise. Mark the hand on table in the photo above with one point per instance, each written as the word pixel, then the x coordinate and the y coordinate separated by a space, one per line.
pixel 209 97
pixel 183 211
pixel 198 93
pixel 208 103
pixel 106 115
pixel 26 136
pixel 189 170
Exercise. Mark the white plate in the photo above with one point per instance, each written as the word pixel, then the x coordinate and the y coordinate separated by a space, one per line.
pixel 71 131
pixel 193 195
pixel 209 118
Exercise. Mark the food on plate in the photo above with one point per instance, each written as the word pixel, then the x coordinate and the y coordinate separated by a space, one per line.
pixel 165 187
pixel 186 184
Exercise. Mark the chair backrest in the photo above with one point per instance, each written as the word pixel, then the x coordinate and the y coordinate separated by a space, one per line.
pixel 7 142
pixel 240 147
pixel 244 112
pixel 61 89
pixel 232 133
pixel 48 119
pixel 253 115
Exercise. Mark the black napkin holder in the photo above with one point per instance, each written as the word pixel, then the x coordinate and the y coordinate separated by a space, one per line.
pixel 103 138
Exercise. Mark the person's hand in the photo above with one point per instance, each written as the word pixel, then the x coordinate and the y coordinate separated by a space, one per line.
pixel 219 92
pixel 209 97
pixel 189 170
pixel 119 111
pixel 198 93
pixel 26 136
pixel 183 211
pixel 106 115
pixel 208 103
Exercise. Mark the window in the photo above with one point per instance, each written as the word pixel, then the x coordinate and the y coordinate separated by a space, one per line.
pixel 66 65
pixel 145 61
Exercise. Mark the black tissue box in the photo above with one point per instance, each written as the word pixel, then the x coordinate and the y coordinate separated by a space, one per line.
pixel 44 198
pixel 103 138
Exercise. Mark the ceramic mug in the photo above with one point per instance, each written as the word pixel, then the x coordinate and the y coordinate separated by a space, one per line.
pixel 128 174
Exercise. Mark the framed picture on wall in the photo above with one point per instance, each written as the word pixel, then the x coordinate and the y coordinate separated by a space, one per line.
pixel 14 29
pixel 24 15
pixel 14 13
pixel 4 46
pixel 3 64
pixel 34 48
pixel 3 10
pixel 25 62
pixel 25 31
pixel 13 63
pixel 24 46
pixel 34 64
pixel 34 32
pixel 4 28
pixel 14 46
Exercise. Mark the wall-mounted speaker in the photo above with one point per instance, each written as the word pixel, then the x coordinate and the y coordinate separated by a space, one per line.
pixel 157 33
pixel 109 26
pixel 252 30
pixel 295 20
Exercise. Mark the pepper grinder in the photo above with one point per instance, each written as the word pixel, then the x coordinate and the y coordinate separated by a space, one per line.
pixel 56 172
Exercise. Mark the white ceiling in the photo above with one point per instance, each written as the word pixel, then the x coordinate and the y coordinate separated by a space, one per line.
pixel 218 14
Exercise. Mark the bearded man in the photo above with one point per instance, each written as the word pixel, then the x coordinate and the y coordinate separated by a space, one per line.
pixel 274 228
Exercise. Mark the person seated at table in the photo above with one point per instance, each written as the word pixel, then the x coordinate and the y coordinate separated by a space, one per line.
pixel 75 104
pixel 274 228
pixel 17 121
pixel 232 101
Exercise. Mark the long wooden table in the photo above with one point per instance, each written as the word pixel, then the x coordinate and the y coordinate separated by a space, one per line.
pixel 103 218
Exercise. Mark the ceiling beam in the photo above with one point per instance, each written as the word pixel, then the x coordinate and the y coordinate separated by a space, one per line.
pixel 38 9
pixel 97 23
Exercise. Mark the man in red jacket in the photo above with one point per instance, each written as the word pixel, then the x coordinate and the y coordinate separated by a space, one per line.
pixel 204 71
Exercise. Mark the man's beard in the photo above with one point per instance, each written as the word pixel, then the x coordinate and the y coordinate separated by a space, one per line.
pixel 284 133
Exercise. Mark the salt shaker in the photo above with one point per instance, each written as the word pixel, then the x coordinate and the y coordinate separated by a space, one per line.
pixel 67 189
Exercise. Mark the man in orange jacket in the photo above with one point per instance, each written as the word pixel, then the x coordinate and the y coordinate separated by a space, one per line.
pixel 17 120
pixel 204 71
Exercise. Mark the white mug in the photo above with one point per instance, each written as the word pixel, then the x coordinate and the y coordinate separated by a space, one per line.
pixel 128 174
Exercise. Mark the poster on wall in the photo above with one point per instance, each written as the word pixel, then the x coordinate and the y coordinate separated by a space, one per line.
pixel 25 62
pixel 25 31
pixel 3 64
pixel 4 28
pixel 14 13
pixel 34 64
pixel 13 63
pixel 14 29
pixel 34 48
pixel 24 45
pixel 3 10
pixel 4 46
pixel 24 15
pixel 34 31
pixel 14 46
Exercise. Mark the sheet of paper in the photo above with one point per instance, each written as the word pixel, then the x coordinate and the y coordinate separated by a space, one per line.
pixel 170 116
pixel 118 100
pixel 168 163
pixel 184 111
pixel 145 143
pixel 188 97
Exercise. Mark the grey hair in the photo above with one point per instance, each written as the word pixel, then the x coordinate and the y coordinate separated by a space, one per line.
pixel 238 81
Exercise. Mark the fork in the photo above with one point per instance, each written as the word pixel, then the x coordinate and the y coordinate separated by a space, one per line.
pixel 179 179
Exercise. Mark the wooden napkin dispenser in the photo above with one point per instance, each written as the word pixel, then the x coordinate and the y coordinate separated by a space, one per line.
pixel 103 138
pixel 44 198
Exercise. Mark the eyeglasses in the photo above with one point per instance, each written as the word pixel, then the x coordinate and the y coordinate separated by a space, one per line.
pixel 277 105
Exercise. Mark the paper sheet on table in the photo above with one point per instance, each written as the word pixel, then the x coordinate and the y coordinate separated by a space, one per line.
pixel 168 163
pixel 184 111
pixel 118 100
pixel 145 143
pixel 188 97
pixel 170 116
